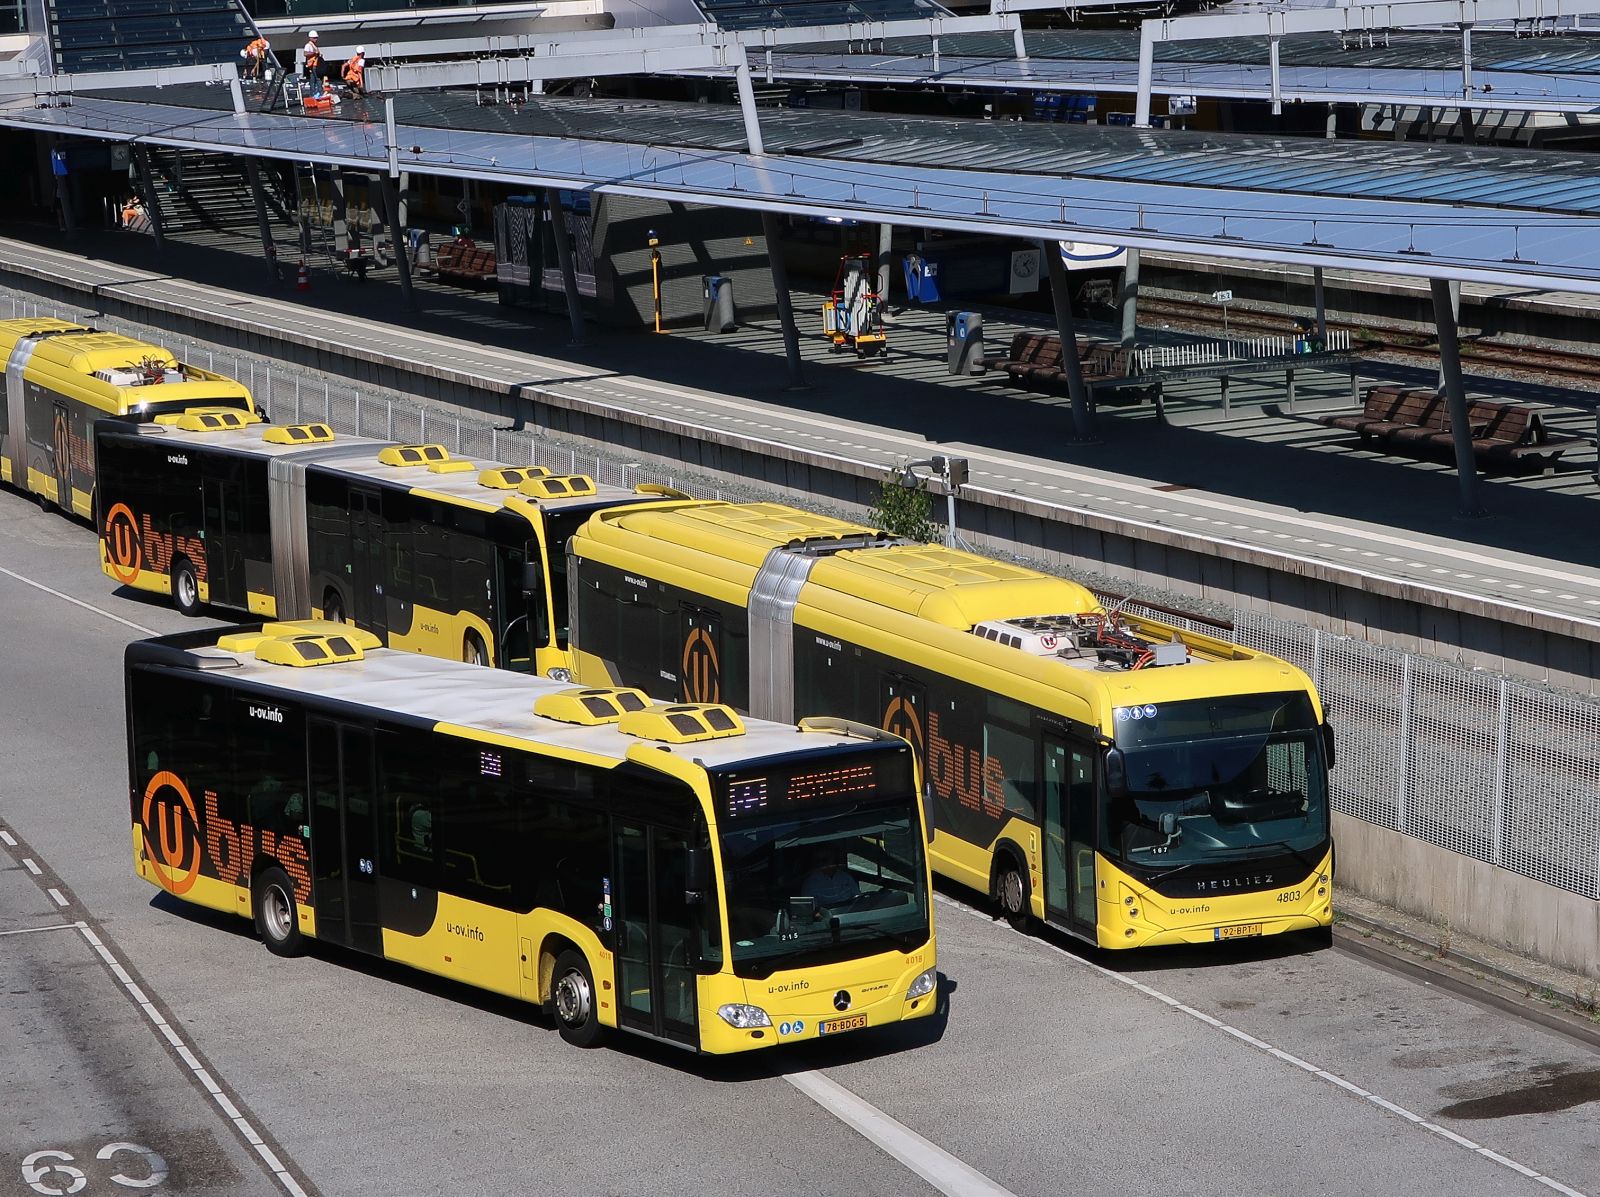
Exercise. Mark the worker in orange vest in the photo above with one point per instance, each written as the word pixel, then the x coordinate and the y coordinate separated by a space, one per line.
pixel 312 53
pixel 355 72
pixel 255 56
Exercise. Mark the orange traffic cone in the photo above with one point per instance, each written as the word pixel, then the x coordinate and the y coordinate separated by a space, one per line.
pixel 302 281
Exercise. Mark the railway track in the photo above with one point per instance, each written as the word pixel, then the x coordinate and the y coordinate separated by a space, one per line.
pixel 1556 366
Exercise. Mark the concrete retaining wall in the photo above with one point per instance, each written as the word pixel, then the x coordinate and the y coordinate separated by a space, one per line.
pixel 1457 893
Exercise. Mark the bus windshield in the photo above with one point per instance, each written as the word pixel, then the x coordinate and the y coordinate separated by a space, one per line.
pixel 149 409
pixel 1219 779
pixel 827 886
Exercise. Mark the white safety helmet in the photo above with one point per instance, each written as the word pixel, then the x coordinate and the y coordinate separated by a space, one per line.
pixel 360 50
pixel 312 35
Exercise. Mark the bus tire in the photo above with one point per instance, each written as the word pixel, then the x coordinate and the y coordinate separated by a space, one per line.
pixel 186 587
pixel 1011 892
pixel 572 1001
pixel 333 607
pixel 272 896
pixel 472 650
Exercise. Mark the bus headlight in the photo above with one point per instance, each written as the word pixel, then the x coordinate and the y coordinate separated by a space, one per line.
pixel 559 674
pixel 926 980
pixel 737 1014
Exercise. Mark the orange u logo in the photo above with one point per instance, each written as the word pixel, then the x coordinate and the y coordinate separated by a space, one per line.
pixel 702 672
pixel 167 840
pixel 123 550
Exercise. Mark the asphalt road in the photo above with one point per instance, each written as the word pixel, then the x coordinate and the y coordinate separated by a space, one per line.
pixel 1271 1069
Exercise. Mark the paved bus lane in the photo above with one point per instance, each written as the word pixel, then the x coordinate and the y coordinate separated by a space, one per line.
pixel 94 1103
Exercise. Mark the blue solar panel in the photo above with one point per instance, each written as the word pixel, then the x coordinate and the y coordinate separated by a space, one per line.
pixel 113 35
pixel 775 14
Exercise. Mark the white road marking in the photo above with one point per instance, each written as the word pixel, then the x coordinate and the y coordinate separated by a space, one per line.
pixel 128 623
pixel 27 863
pixel 10 840
pixel 61 899
pixel 927 1159
pixel 36 930
pixel 1266 1048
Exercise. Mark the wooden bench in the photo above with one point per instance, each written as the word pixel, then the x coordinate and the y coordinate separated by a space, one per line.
pixel 1417 419
pixel 1034 361
pixel 467 261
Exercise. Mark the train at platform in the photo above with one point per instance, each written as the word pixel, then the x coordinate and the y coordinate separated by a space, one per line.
pixel 61 378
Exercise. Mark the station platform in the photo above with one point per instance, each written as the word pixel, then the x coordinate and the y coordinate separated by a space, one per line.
pixel 1205 502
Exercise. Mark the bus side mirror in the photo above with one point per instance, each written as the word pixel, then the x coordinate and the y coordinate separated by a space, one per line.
pixel 697 874
pixel 532 578
pixel 1116 773
pixel 1327 742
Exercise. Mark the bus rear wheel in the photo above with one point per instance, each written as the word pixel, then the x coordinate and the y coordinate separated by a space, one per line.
pixel 572 1001
pixel 333 607
pixel 1011 893
pixel 276 915
pixel 186 587
pixel 472 650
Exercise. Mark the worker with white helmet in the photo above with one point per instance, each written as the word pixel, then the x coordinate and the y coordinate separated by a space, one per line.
pixel 311 52
pixel 355 72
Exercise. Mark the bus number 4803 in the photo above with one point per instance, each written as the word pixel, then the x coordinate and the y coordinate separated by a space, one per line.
pixel 1289 895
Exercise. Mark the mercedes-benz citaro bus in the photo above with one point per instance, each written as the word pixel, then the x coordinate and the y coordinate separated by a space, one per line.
pixel 434 554
pixel 62 377
pixel 665 869
pixel 1129 783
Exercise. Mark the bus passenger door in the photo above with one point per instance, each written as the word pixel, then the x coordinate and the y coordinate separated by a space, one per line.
pixel 368 606
pixel 223 524
pixel 344 837
pixel 1067 774
pixel 700 664
pixel 656 976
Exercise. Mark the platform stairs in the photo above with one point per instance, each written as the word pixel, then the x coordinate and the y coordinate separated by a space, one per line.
pixel 194 191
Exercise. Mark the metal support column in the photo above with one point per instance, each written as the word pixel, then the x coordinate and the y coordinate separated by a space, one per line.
pixel 1083 429
pixel 1322 307
pixel 780 287
pixel 569 271
pixel 1129 299
pixel 263 224
pixel 1456 399
pixel 1277 82
pixel 885 248
pixel 1147 57
pixel 152 206
pixel 341 213
pixel 1455 320
pixel 397 238
pixel 1468 132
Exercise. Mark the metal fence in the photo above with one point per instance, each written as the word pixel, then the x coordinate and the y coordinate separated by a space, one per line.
pixel 1488 766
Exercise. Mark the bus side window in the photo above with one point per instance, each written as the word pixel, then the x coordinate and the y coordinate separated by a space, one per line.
pixel 407 843
pixel 1009 781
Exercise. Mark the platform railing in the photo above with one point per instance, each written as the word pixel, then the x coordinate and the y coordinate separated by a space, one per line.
pixel 1156 358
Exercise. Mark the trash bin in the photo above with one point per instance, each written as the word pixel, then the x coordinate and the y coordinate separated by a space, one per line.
pixel 718 295
pixel 964 342
pixel 922 279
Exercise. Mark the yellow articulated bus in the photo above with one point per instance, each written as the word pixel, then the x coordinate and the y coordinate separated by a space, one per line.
pixel 62 377
pixel 1127 782
pixel 433 554
pixel 670 870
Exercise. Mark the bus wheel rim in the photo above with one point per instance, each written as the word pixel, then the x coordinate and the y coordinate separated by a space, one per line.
pixel 1011 890
pixel 187 589
pixel 573 999
pixel 276 912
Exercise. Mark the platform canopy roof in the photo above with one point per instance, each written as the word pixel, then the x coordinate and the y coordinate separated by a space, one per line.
pixel 1520 218
pixel 786 14
pixel 1552 74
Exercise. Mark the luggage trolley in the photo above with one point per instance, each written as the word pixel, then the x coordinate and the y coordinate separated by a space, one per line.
pixel 852 317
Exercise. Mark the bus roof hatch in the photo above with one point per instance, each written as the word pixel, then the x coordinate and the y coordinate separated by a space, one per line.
pixel 682 723
pixel 590 707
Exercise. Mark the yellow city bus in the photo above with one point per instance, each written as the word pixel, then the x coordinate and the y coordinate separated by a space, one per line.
pixel 1127 782
pixel 432 553
pixel 669 870
pixel 62 377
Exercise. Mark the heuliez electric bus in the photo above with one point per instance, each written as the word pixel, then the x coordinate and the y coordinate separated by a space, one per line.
pixel 431 553
pixel 1129 783
pixel 62 377
pixel 668 870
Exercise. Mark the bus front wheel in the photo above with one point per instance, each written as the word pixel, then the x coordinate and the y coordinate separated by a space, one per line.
pixel 1011 892
pixel 186 587
pixel 573 1002
pixel 333 607
pixel 275 913
pixel 472 650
